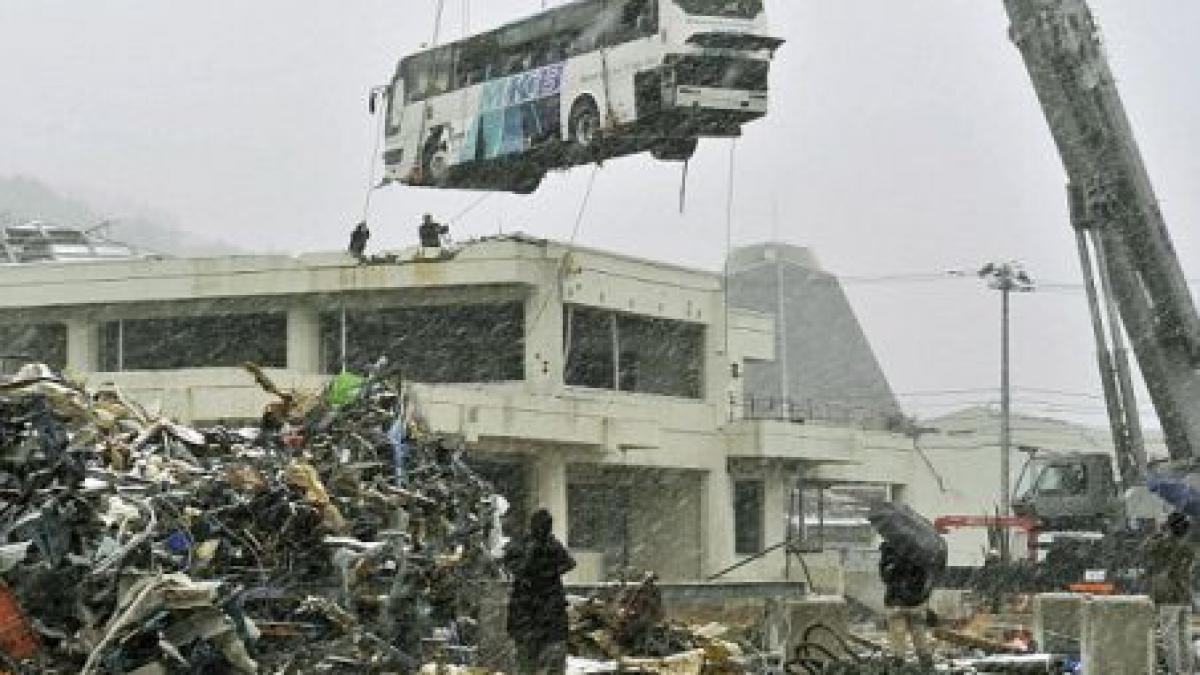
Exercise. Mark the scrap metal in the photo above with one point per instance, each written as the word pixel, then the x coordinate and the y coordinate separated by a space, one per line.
pixel 131 543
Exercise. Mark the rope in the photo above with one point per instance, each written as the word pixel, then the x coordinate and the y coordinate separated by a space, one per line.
pixel 729 194
pixel 366 214
pixel 562 264
pixel 587 196
pixel 470 207
pixel 437 23
pixel 683 186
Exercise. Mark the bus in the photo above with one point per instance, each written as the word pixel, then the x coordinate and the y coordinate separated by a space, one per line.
pixel 583 82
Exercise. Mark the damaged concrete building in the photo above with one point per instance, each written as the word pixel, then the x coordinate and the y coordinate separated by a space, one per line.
pixel 664 428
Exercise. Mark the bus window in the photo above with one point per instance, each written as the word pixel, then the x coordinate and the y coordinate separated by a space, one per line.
pixel 739 9
pixel 428 74
pixel 395 106
pixel 476 61
pixel 639 18
pixel 443 68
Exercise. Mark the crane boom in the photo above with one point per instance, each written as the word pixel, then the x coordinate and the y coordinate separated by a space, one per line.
pixel 1114 207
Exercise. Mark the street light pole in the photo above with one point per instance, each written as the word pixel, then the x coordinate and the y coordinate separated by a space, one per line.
pixel 1006 278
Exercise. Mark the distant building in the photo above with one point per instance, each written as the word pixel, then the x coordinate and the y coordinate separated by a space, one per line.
pixel 961 456
pixel 609 389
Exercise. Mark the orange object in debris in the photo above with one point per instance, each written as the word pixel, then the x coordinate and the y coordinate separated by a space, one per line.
pixel 16 637
pixel 1095 588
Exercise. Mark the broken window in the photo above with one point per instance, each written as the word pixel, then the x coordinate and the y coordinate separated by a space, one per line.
pixel 431 343
pixel 598 518
pixel 590 354
pixel 836 515
pixel 214 341
pixel 35 343
pixel 748 516
pixel 638 354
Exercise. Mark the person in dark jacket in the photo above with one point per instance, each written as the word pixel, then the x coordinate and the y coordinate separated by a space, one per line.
pixel 537 610
pixel 1170 557
pixel 358 241
pixel 908 584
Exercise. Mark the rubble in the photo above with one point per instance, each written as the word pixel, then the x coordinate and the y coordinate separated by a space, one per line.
pixel 625 629
pixel 334 538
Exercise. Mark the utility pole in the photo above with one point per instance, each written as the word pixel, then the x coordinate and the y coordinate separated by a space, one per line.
pixel 1007 278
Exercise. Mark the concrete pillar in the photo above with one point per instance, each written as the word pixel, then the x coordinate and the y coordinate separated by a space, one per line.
pixel 718 521
pixel 544 349
pixel 776 496
pixel 1118 635
pixel 83 346
pixel 1058 621
pixel 551 476
pixel 720 386
pixel 304 340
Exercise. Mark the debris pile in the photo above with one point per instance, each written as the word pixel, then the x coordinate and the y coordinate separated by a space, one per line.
pixel 625 629
pixel 335 538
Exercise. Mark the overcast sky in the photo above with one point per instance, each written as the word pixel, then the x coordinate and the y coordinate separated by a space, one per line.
pixel 904 137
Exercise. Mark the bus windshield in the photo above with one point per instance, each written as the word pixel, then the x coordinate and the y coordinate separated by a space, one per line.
pixel 739 9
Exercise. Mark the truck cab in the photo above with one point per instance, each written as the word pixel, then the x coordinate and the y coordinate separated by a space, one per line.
pixel 1068 491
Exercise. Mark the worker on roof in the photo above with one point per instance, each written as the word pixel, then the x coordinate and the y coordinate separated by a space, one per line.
pixel 358 241
pixel 1170 557
pixel 431 232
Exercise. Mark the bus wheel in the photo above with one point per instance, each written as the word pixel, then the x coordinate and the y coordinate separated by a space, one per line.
pixel 674 150
pixel 585 123
pixel 527 183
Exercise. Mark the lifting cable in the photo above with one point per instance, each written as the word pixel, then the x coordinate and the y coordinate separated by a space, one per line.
pixel 683 179
pixel 565 261
pixel 437 23
pixel 379 129
pixel 729 194
pixel 371 163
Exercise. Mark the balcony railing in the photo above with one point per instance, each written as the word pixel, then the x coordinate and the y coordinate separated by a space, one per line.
pixel 803 412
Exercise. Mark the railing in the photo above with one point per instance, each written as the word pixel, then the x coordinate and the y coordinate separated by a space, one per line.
pixel 802 412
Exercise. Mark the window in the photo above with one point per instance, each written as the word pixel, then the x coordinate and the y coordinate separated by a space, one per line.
pixel 597 516
pixel 589 338
pixel 738 9
pixel 215 341
pixel 1067 479
pixel 748 516
pixel 638 354
pixel 433 343
pixel 36 343
pixel 722 72
pixel 428 74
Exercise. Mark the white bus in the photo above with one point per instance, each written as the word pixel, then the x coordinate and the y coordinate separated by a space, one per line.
pixel 586 81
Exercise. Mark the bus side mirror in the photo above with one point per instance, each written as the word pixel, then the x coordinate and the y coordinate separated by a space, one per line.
pixel 371 104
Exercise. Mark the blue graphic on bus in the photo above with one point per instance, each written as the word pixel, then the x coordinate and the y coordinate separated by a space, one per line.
pixel 515 113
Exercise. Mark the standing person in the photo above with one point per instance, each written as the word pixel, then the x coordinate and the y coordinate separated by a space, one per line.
pixel 358 241
pixel 909 584
pixel 431 232
pixel 1170 557
pixel 537 610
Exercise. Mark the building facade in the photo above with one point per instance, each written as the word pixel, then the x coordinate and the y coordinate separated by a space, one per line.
pixel 608 389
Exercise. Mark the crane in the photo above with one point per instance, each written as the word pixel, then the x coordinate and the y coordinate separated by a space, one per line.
pixel 1134 281
pixel 1114 209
